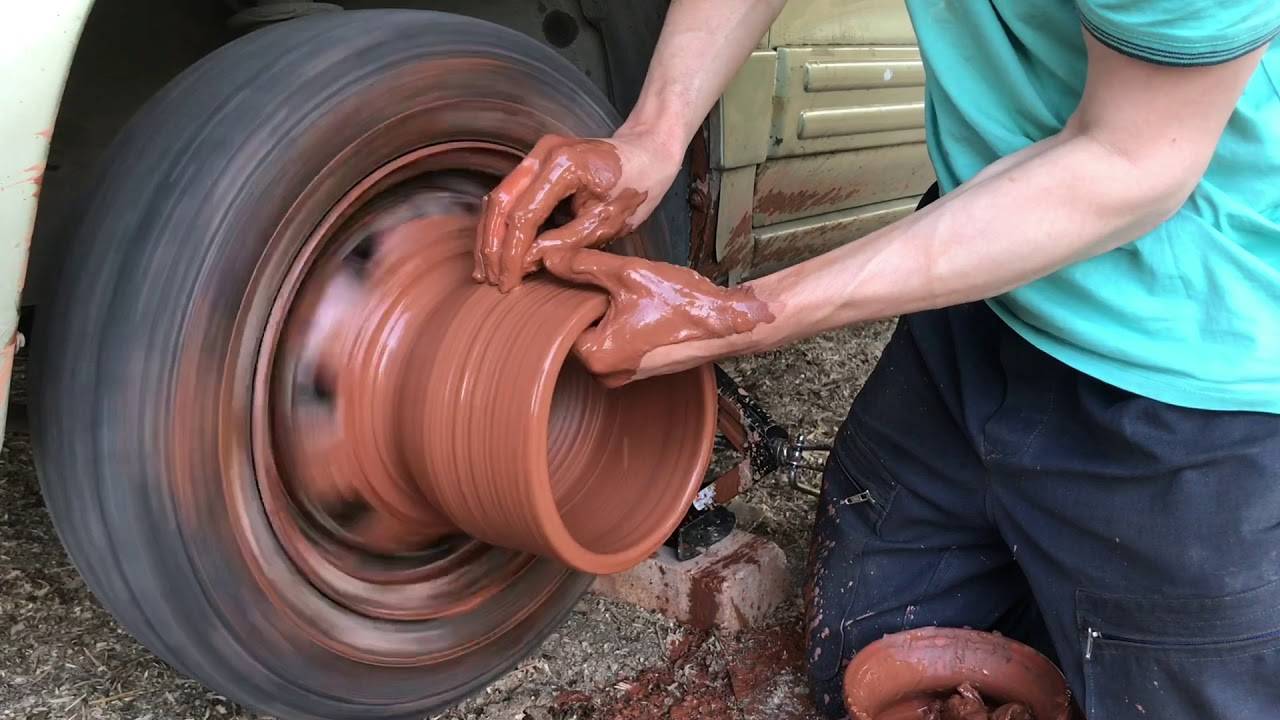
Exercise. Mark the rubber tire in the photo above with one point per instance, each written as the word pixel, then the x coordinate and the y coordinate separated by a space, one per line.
pixel 135 360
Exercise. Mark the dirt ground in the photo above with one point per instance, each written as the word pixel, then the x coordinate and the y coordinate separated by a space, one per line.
pixel 62 656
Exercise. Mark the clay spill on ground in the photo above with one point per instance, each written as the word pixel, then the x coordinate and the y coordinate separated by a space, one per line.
pixel 754 675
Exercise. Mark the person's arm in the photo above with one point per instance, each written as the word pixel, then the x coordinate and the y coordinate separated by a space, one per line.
pixel 1129 157
pixel 702 46
pixel 617 182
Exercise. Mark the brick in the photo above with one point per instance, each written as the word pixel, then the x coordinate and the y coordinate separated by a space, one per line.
pixel 732 586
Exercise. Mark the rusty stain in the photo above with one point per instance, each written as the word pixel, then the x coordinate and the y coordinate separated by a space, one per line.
pixel 703 205
pixel 46 134
pixel 792 202
pixel 704 202
pixel 733 482
pixel 36 179
pixel 795 188
pixel 739 249
pixel 774 255
pixel 740 231
pixel 787 248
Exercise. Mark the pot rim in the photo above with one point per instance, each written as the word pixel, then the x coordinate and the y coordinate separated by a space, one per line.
pixel 560 541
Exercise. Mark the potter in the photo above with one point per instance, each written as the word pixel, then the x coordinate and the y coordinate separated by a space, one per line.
pixel 1074 435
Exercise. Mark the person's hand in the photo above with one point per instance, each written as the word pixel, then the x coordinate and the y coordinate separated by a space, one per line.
pixel 613 185
pixel 657 314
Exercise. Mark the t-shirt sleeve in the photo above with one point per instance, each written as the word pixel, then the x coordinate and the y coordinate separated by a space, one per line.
pixel 1182 32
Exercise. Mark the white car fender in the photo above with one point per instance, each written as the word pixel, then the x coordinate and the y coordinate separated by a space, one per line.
pixel 38 40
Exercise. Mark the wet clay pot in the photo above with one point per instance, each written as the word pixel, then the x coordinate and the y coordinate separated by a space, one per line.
pixel 895 677
pixel 471 416
pixel 521 447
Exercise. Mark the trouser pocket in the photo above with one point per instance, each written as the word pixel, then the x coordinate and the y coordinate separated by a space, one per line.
pixel 855 496
pixel 1177 659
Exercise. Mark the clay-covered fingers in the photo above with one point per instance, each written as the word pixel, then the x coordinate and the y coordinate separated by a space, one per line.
pixel 597 350
pixel 584 172
pixel 585 267
pixel 597 347
pixel 568 171
pixel 493 230
pixel 488 236
pixel 592 226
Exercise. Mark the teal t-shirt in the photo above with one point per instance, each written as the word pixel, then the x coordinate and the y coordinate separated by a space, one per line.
pixel 1190 313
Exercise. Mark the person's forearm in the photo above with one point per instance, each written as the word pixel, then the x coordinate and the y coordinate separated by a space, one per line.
pixel 1056 202
pixel 702 46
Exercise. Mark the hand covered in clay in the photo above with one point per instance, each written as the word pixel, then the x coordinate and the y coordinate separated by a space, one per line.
pixel 653 305
pixel 613 185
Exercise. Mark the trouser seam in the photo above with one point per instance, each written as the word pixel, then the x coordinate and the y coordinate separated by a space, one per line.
pixel 928 587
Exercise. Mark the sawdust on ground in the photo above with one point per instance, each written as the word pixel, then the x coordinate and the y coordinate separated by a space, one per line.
pixel 62 656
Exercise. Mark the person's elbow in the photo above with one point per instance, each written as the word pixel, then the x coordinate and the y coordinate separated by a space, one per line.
pixel 1150 177
pixel 1154 127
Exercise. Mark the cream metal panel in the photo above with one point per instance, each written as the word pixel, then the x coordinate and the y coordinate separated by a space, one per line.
pixel 734 243
pixel 843 22
pixel 778 246
pixel 862 75
pixel 824 126
pixel 831 99
pixel 741 120
pixel 37 41
pixel 794 188
pixel 838 122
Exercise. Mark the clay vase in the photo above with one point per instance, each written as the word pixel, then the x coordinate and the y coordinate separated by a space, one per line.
pixel 895 676
pixel 519 446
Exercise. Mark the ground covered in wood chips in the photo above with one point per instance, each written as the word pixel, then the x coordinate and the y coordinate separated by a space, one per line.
pixel 62 655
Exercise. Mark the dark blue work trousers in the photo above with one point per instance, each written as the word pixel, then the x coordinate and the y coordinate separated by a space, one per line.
pixel 980 482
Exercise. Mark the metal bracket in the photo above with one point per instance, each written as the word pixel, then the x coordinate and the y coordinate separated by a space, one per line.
pixel 702 530
pixel 764 446
pixel 793 458
pixel 767 445
pixel 749 429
